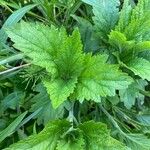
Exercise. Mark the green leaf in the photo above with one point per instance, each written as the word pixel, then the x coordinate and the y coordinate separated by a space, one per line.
pixel 138 28
pixel 11 101
pixel 97 137
pixel 13 19
pixel 119 41
pixel 59 90
pixel 75 142
pixel 60 135
pixel 45 140
pixel 140 67
pixel 125 16
pixel 60 54
pixel 137 142
pixel 128 96
pixel 11 128
pixel 41 100
pixel 100 79
pixel 106 15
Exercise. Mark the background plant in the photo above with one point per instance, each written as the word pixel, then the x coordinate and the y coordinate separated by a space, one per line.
pixel 70 62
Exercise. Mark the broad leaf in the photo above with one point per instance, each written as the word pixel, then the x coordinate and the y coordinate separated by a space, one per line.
pixel 137 142
pixel 106 15
pixel 128 96
pixel 59 90
pixel 60 135
pixel 140 67
pixel 47 112
pixel 100 79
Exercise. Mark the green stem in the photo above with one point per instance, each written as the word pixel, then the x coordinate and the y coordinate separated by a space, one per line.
pixel 111 119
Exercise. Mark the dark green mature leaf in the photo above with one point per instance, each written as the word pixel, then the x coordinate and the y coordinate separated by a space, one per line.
pixel 13 19
pixel 106 15
pixel 11 128
pixel 137 142
pixel 128 96
pixel 11 101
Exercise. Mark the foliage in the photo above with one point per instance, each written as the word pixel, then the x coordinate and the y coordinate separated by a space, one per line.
pixel 74 75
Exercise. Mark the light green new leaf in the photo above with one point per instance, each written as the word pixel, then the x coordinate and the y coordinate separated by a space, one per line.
pixel 140 67
pixel 97 137
pixel 11 128
pixel 119 41
pixel 106 15
pixel 125 16
pixel 100 79
pixel 75 142
pixel 59 90
pixel 138 28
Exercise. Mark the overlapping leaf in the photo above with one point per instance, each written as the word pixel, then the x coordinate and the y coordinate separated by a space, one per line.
pixel 69 70
pixel 58 135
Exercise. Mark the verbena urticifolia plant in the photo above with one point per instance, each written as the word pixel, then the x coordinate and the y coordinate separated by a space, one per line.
pixel 103 83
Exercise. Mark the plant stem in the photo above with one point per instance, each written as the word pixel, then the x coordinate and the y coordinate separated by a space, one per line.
pixel 13 69
pixel 111 119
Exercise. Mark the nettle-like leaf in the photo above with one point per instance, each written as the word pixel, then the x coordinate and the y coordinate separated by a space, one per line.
pixel 106 14
pixel 59 135
pixel 125 16
pixel 99 79
pixel 69 71
pixel 47 112
pixel 128 52
pixel 135 23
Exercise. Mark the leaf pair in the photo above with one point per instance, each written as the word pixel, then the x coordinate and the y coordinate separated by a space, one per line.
pixel 69 71
pixel 59 135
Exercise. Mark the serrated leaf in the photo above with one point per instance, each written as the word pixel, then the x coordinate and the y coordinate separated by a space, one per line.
pixel 47 112
pixel 45 140
pixel 125 16
pixel 138 28
pixel 75 142
pixel 140 67
pixel 94 83
pixel 97 137
pixel 59 90
pixel 106 15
